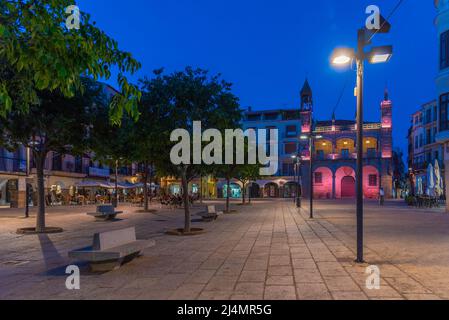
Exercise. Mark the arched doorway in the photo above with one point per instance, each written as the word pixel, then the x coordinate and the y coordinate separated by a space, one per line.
pixel 345 182
pixel 348 187
pixel 271 190
pixel 236 191
pixel 175 189
pixel 254 190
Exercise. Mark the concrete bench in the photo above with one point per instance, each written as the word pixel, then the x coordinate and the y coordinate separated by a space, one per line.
pixel 104 213
pixel 210 214
pixel 112 249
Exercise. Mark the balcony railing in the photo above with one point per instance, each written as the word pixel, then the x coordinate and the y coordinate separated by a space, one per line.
pixel 350 156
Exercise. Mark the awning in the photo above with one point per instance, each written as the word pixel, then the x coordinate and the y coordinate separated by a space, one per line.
pixel 92 184
pixel 149 185
pixel 124 185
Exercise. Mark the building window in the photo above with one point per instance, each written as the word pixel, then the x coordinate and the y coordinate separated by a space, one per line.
pixel 371 152
pixel 290 148
pixel 253 117
pixel 345 153
pixel 78 164
pixel 57 162
pixel 444 50
pixel 444 101
pixel 271 116
pixel 291 131
pixel 320 154
pixel 428 116
pixel 372 180
pixel 318 177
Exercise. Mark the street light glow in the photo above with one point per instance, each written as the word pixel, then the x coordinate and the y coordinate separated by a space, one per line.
pixel 342 56
pixel 381 58
pixel 380 54
pixel 341 60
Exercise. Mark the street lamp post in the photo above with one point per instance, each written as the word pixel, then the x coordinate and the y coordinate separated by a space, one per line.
pixel 297 178
pixel 344 56
pixel 311 175
pixel 311 138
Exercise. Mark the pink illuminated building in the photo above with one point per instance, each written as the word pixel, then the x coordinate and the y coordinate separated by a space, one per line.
pixel 334 153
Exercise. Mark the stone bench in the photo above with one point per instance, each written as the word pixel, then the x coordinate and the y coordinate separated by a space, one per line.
pixel 112 249
pixel 210 214
pixel 105 212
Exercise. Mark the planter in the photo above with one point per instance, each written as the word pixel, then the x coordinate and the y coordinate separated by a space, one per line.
pixel 31 231
pixel 180 232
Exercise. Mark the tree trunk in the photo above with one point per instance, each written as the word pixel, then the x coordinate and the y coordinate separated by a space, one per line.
pixel 145 188
pixel 201 189
pixel 228 194
pixel 40 219
pixel 151 182
pixel 116 185
pixel 185 195
pixel 243 193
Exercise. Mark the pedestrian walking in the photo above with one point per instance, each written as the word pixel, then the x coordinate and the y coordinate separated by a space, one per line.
pixel 381 196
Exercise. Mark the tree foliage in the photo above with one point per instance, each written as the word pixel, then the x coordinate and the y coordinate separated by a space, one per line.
pixel 57 124
pixel 185 97
pixel 43 54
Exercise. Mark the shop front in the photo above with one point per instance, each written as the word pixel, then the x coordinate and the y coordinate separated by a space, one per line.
pixel 12 191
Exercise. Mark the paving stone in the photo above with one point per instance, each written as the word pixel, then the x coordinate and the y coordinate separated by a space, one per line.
pixel 339 283
pixel 280 293
pixel 271 251
pixel 348 295
pixel 312 291
pixel 280 280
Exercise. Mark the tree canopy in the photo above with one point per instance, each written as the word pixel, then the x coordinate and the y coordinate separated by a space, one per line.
pixel 57 124
pixel 43 54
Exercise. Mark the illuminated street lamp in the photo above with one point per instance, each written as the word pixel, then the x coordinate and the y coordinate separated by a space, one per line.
pixel 344 57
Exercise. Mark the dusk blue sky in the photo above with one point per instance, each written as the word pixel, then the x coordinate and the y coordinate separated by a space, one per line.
pixel 266 48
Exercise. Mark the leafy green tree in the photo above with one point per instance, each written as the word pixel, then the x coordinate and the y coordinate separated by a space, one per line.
pixel 149 131
pixel 112 145
pixel 188 96
pixel 58 124
pixel 43 54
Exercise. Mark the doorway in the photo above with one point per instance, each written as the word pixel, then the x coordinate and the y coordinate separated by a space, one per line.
pixel 348 187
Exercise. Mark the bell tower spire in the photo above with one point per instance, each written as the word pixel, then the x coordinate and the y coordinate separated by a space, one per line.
pixel 306 108
pixel 306 97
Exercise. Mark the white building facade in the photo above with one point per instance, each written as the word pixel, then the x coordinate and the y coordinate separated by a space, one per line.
pixel 442 83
